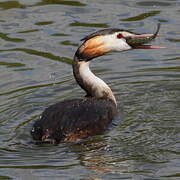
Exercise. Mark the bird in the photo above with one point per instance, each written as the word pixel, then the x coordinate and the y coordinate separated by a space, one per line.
pixel 73 119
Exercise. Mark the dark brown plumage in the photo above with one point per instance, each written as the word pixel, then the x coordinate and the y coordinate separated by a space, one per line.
pixel 73 119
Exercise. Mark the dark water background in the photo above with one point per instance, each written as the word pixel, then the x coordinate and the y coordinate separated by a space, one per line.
pixel 37 41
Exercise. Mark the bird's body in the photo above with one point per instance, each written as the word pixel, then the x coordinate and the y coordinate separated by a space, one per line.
pixel 74 119
pixel 79 118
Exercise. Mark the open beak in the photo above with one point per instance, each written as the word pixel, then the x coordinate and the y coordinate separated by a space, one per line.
pixel 138 41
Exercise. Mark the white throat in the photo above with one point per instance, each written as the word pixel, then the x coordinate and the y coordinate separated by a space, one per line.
pixel 98 87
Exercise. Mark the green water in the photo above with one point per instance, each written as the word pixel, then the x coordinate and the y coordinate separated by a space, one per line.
pixel 37 42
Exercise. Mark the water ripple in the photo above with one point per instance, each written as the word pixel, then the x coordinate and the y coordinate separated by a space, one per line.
pixel 38 40
pixel 142 16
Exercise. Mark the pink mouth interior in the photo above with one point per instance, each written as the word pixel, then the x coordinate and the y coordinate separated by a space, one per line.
pixel 149 47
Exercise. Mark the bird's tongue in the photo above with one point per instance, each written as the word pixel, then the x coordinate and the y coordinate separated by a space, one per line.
pixel 137 41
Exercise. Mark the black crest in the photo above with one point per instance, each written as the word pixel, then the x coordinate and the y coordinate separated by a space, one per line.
pixel 101 33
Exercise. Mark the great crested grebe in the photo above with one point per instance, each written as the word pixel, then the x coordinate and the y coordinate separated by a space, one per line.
pixel 79 118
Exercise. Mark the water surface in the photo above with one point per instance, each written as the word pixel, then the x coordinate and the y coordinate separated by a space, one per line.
pixel 38 39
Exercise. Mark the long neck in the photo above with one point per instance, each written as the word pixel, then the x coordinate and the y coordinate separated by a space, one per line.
pixel 94 86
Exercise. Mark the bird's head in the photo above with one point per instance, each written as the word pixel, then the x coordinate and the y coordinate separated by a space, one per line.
pixel 109 40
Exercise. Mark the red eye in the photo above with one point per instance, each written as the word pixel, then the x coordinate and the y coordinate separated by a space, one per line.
pixel 119 36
